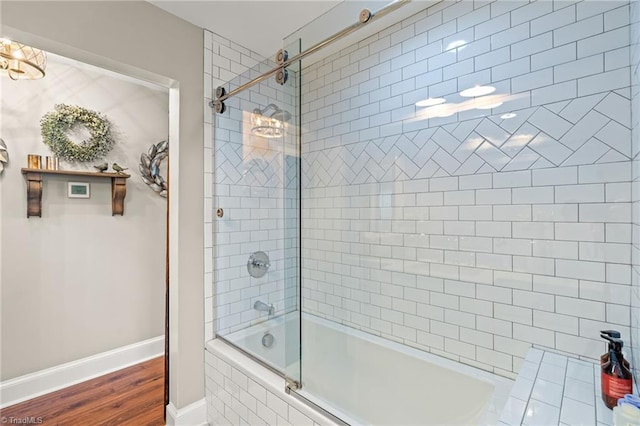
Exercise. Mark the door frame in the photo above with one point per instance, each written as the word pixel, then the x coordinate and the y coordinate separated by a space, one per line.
pixel 173 87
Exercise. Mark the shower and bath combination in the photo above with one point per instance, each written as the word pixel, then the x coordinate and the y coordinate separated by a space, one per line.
pixel 377 227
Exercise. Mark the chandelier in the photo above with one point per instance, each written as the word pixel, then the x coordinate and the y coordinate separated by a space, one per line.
pixel 21 62
pixel 269 125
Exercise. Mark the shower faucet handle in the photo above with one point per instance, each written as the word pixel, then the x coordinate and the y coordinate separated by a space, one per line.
pixel 258 264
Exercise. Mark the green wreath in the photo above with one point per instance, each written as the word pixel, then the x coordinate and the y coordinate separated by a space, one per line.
pixel 55 124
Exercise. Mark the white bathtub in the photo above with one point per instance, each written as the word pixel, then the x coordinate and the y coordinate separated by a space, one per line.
pixel 364 379
pixel 282 353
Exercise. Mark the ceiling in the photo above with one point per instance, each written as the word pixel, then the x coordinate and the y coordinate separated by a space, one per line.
pixel 257 25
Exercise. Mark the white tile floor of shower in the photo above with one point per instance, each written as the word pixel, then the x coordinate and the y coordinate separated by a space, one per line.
pixel 554 389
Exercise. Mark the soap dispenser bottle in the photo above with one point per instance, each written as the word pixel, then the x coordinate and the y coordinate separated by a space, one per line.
pixel 605 357
pixel 616 379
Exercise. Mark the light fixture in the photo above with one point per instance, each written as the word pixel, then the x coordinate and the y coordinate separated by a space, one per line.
pixel 508 115
pixel 477 91
pixel 430 102
pixel 269 126
pixel 21 62
pixel 456 45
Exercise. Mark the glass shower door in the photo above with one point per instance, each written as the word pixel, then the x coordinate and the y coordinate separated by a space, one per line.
pixel 255 255
pixel 292 216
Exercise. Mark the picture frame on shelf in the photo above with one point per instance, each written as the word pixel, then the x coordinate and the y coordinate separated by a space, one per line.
pixel 78 190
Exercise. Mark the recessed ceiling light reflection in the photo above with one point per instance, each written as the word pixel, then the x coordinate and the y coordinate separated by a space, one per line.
pixel 441 111
pixel 508 115
pixel 456 45
pixel 477 91
pixel 430 102
pixel 489 106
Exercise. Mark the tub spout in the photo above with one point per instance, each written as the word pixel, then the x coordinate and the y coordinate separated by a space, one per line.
pixel 263 307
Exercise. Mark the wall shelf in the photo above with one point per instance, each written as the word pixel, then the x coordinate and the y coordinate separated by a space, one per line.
pixel 34 188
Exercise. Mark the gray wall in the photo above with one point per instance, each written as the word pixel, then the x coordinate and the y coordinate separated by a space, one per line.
pixel 136 37
pixel 90 282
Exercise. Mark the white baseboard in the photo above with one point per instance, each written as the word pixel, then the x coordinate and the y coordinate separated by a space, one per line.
pixel 61 376
pixel 194 414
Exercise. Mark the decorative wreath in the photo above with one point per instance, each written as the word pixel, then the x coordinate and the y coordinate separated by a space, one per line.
pixel 55 124
pixel 150 167
pixel 4 155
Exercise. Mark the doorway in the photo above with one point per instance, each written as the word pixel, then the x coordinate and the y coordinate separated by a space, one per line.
pixel 84 290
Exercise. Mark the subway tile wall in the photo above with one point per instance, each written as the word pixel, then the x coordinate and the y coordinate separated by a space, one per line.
pixel 452 228
pixel 635 150
pixel 238 396
pixel 224 60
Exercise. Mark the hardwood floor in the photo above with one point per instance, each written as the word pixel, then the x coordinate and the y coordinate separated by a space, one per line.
pixel 133 396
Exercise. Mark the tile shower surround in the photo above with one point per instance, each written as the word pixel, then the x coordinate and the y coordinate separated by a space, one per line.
pixel 474 237
pixel 238 397
pixel 534 256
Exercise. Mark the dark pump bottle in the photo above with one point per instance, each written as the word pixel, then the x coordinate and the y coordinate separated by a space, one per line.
pixel 616 379
pixel 605 357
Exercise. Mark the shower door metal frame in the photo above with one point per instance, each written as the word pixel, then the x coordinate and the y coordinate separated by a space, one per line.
pixel 292 383
pixel 365 17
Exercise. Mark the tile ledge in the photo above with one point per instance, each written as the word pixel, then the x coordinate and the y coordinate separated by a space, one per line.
pixel 570 407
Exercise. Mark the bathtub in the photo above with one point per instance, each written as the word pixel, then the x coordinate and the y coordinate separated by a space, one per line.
pixel 282 353
pixel 365 379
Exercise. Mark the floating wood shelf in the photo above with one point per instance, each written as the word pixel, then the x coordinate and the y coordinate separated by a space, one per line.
pixel 34 188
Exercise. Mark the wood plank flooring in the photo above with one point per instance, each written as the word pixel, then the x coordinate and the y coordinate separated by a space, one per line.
pixel 133 396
